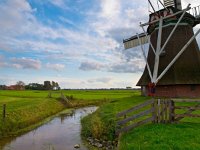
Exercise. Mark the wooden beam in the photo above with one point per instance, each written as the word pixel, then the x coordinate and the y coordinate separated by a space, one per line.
pixel 135 108
pixel 186 100
pixel 187 107
pixel 152 6
pixel 146 112
pixel 171 111
pixel 127 128
pixel 187 115
pixel 188 112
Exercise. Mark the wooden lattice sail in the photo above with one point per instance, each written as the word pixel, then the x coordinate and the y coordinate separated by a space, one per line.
pixel 173 61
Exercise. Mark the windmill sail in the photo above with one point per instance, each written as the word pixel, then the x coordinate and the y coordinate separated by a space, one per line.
pixel 134 41
pixel 195 11
pixel 168 3
pixel 174 3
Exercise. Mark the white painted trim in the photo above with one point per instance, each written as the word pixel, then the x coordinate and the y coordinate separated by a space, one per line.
pixel 145 58
pixel 174 29
pixel 148 23
pixel 177 56
pixel 148 38
pixel 157 55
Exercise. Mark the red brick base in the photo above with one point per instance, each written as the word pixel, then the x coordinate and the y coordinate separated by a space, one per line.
pixel 173 91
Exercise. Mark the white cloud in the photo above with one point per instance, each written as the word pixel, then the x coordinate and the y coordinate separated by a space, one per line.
pixel 57 67
pixel 110 9
pixel 127 67
pixel 59 3
pixel 88 66
pixel 96 45
pixel 68 21
pixel 2 62
pixel 14 15
pixel 133 65
pixel 101 80
pixel 121 20
pixel 25 63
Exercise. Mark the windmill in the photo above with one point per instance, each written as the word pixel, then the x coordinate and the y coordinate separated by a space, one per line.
pixel 173 60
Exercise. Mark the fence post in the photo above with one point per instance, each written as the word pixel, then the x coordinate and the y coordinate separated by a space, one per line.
pixel 4 111
pixel 159 110
pixel 166 106
pixel 49 95
pixel 171 111
pixel 153 105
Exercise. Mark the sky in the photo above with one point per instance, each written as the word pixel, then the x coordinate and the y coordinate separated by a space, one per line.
pixel 77 43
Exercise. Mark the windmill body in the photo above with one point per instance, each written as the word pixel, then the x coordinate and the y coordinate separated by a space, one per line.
pixel 173 60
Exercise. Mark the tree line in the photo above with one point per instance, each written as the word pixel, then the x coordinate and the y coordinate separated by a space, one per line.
pixel 20 85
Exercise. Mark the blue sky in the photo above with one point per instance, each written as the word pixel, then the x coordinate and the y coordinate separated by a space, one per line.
pixel 77 43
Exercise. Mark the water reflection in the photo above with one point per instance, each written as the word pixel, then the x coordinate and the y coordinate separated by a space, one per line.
pixel 61 133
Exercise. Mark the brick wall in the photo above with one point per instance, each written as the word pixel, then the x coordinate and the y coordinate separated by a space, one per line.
pixel 172 91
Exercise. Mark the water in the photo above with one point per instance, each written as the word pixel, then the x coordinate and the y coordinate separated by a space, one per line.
pixel 61 133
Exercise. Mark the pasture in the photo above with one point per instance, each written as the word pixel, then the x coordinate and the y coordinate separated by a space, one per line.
pixel 27 108
pixel 102 125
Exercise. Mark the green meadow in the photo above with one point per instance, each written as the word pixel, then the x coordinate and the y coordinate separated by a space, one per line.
pixel 184 135
pixel 27 108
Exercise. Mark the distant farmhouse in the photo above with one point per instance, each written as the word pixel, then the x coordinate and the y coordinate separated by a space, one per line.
pixel 15 87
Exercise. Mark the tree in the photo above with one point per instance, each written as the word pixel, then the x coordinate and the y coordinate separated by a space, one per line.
pixel 47 85
pixel 57 86
pixel 34 86
pixel 53 84
pixel 128 87
pixel 2 87
pixel 20 85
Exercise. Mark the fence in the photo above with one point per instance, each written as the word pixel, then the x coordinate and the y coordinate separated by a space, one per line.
pixel 3 112
pixel 126 119
pixel 189 109
pixel 160 111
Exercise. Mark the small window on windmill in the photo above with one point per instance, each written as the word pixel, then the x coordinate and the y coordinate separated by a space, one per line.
pixel 168 3
pixel 193 87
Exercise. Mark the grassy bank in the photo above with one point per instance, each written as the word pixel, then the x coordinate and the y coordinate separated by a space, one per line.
pixel 24 112
pixel 101 125
pixel 24 109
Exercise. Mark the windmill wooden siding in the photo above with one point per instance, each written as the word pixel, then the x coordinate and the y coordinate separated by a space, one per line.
pixel 183 78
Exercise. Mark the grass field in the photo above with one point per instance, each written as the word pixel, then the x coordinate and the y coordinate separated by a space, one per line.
pixel 182 136
pixel 25 108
